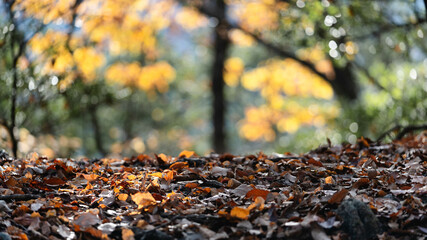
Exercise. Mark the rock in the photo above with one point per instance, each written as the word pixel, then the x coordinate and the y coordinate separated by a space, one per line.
pixel 4 236
pixel 359 222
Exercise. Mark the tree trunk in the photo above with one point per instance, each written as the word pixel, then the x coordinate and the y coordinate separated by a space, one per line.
pixel 221 44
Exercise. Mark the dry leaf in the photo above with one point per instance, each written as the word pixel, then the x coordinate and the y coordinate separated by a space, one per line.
pixel 338 196
pixel 123 197
pixel 127 234
pixel 186 154
pixel 254 193
pixel 143 199
pixel 178 166
pixel 329 180
pixel 241 213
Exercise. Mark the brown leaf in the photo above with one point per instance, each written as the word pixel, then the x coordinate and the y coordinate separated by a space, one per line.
pixel 86 220
pixel 338 196
pixel 54 181
pixel 178 166
pixel 254 193
pixel 362 182
pixel 315 162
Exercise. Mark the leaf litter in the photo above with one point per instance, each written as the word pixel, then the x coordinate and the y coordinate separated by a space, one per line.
pixel 360 191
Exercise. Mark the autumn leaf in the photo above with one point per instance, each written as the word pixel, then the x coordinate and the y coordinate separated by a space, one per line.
pixel 178 165
pixel 127 234
pixel 85 220
pixel 241 213
pixel 329 180
pixel 254 193
pixel 143 199
pixel 338 196
pixel 257 204
pixel 90 177
pixel 186 154
pixel 54 181
pixel 123 197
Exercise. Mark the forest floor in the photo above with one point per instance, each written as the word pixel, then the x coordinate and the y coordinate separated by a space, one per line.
pixel 368 190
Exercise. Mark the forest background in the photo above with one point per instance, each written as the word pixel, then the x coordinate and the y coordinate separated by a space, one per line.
pixel 124 77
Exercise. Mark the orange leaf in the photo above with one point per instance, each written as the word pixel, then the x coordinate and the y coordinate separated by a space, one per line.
pixel 241 213
pixel 143 199
pixel 123 197
pixel 254 193
pixel 186 154
pixel 127 234
pixel 329 180
pixel 258 204
pixel 90 177
pixel 178 165
pixel 168 175
pixel 163 157
pixel 338 196
pixel 191 185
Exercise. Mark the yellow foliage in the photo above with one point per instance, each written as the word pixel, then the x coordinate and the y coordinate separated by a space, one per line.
pixel 190 18
pixel 258 124
pixel 288 77
pixel 148 78
pixel 240 38
pixel 233 69
pixel 88 60
pixel 46 10
pixel 257 15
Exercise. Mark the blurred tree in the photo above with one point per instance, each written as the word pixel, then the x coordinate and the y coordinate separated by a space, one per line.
pixel 97 68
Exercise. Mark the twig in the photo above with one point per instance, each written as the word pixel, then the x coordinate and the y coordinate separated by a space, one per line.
pixel 403 132
pixel 19 197
pixel 408 129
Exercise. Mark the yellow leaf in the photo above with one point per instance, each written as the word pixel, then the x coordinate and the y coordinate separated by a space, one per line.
pixel 123 197
pixel 131 177
pixel 329 180
pixel 241 213
pixel 143 199
pixel 156 174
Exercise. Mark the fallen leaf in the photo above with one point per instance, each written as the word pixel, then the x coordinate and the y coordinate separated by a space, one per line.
pixel 186 154
pixel 128 234
pixel 254 193
pixel 178 165
pixel 362 182
pixel 123 197
pixel 241 213
pixel 85 220
pixel 143 199
pixel 257 204
pixel 338 196
pixel 90 177
pixel 54 181
pixel 329 180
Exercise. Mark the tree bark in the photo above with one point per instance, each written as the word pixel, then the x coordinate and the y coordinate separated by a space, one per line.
pixel 221 43
pixel 97 131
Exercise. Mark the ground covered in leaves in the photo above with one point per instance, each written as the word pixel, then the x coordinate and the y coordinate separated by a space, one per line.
pixel 361 191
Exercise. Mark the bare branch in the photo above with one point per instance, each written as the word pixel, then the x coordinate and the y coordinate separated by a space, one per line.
pixel 275 49
pixel 385 29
